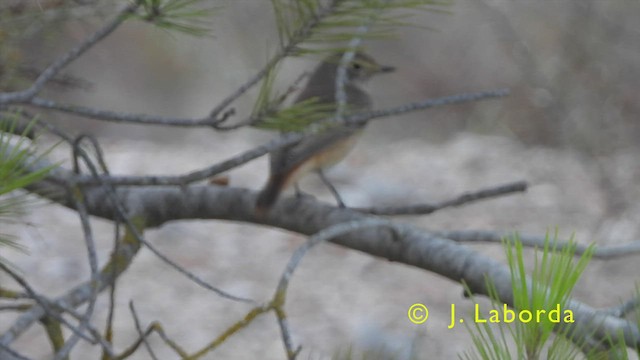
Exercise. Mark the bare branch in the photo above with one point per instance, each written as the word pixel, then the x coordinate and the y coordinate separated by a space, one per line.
pixel 341 72
pixel 47 307
pixel 141 334
pixel 252 120
pixel 81 210
pixel 625 308
pixel 52 70
pixel 4 350
pixel 600 252
pixel 194 176
pixel 93 265
pixel 322 236
pixel 121 117
pixel 426 104
pixel 357 118
pixel 298 37
pixel 285 140
pixel 123 215
pixel 412 246
pixel 469 197
pixel 106 347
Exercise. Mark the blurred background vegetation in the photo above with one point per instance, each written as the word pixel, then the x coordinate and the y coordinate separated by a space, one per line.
pixel 571 65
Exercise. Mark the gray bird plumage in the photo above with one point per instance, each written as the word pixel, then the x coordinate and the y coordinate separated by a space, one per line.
pixel 331 145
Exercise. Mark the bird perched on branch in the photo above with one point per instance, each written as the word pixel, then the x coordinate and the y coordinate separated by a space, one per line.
pixel 331 145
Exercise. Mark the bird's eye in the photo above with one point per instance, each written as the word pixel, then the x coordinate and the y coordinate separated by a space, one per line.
pixel 356 66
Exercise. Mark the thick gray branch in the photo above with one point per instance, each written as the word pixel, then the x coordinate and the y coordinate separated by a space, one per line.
pixel 412 246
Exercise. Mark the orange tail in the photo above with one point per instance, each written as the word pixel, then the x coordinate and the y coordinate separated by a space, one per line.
pixel 269 194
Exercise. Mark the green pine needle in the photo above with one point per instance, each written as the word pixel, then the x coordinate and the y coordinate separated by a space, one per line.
pixel 555 274
pixel 16 159
pixel 185 16
pixel 331 23
pixel 297 117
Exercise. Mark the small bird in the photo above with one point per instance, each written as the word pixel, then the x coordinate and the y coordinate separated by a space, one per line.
pixel 330 146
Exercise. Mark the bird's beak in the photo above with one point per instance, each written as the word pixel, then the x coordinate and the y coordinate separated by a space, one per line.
pixel 387 69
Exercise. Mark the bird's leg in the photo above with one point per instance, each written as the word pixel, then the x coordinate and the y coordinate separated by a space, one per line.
pixel 331 188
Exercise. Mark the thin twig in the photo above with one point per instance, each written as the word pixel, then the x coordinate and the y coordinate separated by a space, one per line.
pixel 41 123
pixel 237 326
pixel 76 151
pixel 321 236
pixel 285 140
pixel 83 214
pixel 600 252
pixel 246 86
pixel 468 197
pixel 122 117
pixel 212 120
pixel 298 36
pixel 427 104
pixel 61 81
pixel 16 307
pixel 341 73
pixel 73 298
pixel 15 354
pixel 191 276
pixel 142 335
pixel 94 332
pixel 252 120
pixel 623 309
pixel 111 311
pixel 358 118
pixel 198 175
pixel 44 303
pixel 122 213
pixel 52 70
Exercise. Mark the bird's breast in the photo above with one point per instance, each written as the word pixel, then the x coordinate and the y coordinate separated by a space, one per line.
pixel 325 158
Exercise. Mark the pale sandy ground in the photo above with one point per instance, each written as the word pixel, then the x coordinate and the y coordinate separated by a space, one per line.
pixel 338 297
